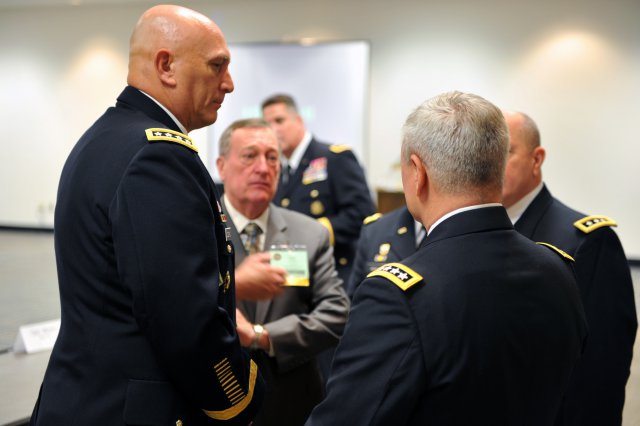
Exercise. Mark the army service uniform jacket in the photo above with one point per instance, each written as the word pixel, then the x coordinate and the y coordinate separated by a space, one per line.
pixel 146 284
pixel 329 185
pixel 383 239
pixel 480 326
pixel 302 321
pixel 596 393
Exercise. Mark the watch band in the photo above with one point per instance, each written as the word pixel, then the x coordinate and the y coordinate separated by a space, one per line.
pixel 258 329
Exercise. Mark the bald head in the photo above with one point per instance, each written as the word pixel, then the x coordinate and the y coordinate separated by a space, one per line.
pixel 180 58
pixel 524 165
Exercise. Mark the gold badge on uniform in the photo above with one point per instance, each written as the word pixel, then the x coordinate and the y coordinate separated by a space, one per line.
pixel 314 193
pixel 402 230
pixel 227 282
pixel 285 202
pixel 317 208
pixel 383 251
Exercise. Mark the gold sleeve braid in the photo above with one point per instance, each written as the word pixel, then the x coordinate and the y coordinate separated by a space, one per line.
pixel 238 398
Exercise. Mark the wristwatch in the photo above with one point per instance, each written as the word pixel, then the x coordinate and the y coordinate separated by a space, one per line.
pixel 258 329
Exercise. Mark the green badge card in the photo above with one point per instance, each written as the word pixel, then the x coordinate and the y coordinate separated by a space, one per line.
pixel 295 260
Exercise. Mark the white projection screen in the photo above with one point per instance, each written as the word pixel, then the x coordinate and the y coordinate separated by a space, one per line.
pixel 329 82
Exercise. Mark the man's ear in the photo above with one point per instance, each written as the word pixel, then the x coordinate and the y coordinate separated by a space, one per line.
pixel 220 165
pixel 165 67
pixel 538 158
pixel 419 174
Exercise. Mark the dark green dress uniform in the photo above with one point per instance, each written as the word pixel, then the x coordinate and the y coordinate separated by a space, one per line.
pixel 383 239
pixel 145 273
pixel 329 185
pixel 596 393
pixel 480 326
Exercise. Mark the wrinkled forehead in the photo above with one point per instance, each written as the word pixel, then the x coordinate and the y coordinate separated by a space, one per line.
pixel 255 137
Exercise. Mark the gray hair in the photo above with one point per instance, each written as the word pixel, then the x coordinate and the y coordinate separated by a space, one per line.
pixel 462 139
pixel 225 139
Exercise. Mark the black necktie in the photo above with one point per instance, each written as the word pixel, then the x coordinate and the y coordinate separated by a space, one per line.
pixel 285 174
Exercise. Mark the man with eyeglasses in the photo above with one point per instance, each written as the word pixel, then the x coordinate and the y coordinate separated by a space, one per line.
pixel 291 302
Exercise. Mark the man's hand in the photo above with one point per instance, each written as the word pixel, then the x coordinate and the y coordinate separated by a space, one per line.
pixel 256 279
pixel 244 328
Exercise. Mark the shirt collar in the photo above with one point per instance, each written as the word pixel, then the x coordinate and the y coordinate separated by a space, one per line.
pixel 460 210
pixel 516 210
pixel 296 155
pixel 240 221
pixel 173 117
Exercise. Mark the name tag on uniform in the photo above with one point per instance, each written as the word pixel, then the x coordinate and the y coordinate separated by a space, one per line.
pixel 295 260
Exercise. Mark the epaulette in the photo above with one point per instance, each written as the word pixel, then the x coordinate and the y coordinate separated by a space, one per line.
pixel 557 250
pixel 167 135
pixel 591 223
pixel 399 274
pixel 369 219
pixel 338 149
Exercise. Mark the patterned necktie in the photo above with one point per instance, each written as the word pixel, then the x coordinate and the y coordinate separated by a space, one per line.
pixel 250 240
pixel 422 234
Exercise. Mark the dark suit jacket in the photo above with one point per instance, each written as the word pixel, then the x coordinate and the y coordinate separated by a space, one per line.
pixel 479 327
pixel 302 321
pixel 330 186
pixel 596 394
pixel 146 284
pixel 388 239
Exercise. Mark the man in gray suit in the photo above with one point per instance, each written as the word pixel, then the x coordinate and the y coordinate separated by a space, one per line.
pixel 291 303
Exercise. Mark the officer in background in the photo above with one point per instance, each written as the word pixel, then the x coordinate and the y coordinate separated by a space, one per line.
pixel 596 393
pixel 480 326
pixel 319 180
pixel 145 268
pixel 384 239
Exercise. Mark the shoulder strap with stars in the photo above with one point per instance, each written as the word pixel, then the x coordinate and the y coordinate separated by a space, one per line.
pixel 337 149
pixel 369 219
pixel 155 134
pixel 399 274
pixel 591 223
pixel 557 250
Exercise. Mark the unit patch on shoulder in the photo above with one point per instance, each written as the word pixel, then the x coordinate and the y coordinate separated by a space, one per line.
pixel 591 223
pixel 157 134
pixel 557 250
pixel 369 219
pixel 338 149
pixel 399 274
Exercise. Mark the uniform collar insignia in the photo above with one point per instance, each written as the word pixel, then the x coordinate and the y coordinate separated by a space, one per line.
pixel 167 135
pixel 399 274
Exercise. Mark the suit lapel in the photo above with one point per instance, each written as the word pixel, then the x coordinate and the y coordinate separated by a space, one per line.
pixel 275 235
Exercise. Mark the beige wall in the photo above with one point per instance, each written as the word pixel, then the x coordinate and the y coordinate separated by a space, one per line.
pixel 572 65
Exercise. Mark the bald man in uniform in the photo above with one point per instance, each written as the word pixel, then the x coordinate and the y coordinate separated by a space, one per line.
pixel 596 393
pixel 145 265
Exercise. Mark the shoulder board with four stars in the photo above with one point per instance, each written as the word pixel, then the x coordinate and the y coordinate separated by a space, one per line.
pixel 337 149
pixel 557 250
pixel 166 135
pixel 370 219
pixel 399 274
pixel 591 223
